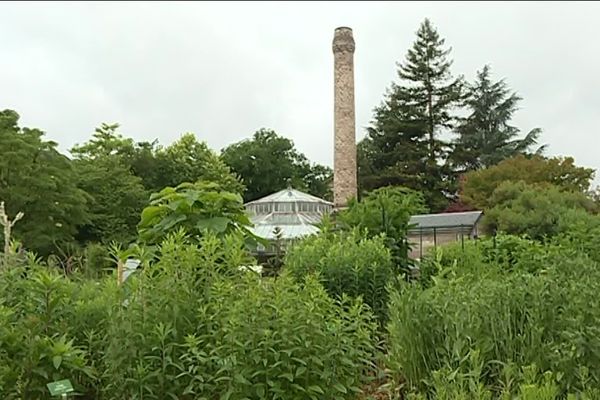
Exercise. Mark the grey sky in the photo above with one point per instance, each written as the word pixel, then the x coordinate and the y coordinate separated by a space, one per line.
pixel 225 70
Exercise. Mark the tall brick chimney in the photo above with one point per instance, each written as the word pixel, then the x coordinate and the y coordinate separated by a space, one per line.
pixel 344 159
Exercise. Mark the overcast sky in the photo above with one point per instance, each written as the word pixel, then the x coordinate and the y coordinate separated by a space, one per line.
pixel 224 70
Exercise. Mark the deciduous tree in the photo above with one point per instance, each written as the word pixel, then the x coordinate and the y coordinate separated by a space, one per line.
pixel 562 172
pixel 189 160
pixel 269 162
pixel 40 182
pixel 535 210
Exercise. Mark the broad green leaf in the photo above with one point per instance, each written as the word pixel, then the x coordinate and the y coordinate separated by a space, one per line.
pixel 340 388
pixel 316 389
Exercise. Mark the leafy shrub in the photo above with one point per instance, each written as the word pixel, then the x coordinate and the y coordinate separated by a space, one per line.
pixel 518 208
pixel 205 334
pixel 347 263
pixel 386 211
pixel 296 344
pixel 197 208
pixel 45 318
pixel 526 383
pixel 580 231
pixel 504 252
pixel 188 325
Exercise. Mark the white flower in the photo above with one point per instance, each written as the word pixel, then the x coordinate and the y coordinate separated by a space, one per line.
pixel 254 268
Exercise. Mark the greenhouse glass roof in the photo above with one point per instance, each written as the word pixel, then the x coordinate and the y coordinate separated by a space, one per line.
pixel 295 213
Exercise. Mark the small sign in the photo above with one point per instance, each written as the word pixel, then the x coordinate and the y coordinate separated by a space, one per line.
pixel 60 388
pixel 130 266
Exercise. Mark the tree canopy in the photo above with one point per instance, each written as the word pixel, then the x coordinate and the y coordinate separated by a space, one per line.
pixel 189 160
pixel 40 182
pixel 478 186
pixel 534 210
pixel 269 162
pixel 486 137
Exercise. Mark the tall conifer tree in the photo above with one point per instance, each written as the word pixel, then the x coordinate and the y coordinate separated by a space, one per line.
pixel 486 136
pixel 405 132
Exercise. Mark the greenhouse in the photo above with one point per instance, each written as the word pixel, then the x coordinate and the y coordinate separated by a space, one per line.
pixel 290 212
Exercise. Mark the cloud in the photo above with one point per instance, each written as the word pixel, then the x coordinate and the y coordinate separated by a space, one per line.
pixel 225 70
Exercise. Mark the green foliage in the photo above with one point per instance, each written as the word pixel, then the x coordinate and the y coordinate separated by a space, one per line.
pixel 508 252
pixel 185 160
pixel 45 319
pixel 479 185
pixel 486 136
pixel 264 356
pixel 116 199
pixel 513 303
pixel 318 181
pixel 348 263
pixel 526 383
pixel 386 211
pixel 118 174
pixel 40 182
pixel 116 195
pixel 189 325
pixel 268 163
pixel 195 207
pixel 188 160
pixel 403 146
pixel 105 142
pixel 98 196
pixel 536 211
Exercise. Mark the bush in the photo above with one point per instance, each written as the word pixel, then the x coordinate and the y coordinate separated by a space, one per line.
pixel 45 321
pixel 296 343
pixel 195 207
pixel 347 263
pixel 504 252
pixel 189 325
pixel 518 208
pixel 386 211
pixel 580 231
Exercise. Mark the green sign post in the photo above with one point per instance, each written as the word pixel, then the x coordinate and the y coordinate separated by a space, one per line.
pixel 60 388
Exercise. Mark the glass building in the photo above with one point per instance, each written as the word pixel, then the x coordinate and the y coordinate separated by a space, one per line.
pixel 289 211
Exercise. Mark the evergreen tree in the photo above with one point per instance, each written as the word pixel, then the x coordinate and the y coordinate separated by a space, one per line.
pixel 404 138
pixel 486 136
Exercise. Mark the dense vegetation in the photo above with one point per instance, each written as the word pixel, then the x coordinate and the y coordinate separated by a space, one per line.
pixel 404 144
pixel 347 314
pixel 499 317
pixel 189 326
pixel 496 320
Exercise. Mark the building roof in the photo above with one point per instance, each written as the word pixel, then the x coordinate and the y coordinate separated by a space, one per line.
pixel 293 224
pixel 289 195
pixel 446 220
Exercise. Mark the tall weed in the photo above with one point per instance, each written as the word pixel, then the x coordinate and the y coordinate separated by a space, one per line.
pixel 517 303
pixel 346 263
